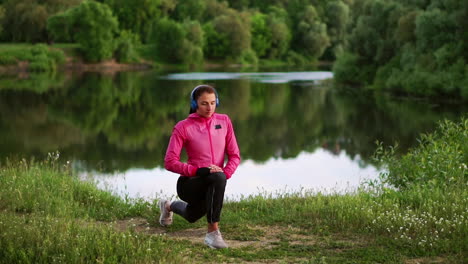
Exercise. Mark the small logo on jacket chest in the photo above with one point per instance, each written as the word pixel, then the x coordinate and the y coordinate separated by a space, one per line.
pixel 217 126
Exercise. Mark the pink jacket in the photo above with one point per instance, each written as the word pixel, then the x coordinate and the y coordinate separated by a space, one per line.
pixel 206 141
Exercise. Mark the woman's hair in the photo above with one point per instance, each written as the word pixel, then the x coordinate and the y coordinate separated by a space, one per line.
pixel 197 92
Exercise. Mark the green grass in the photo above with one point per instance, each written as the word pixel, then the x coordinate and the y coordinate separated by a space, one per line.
pixel 41 58
pixel 8 47
pixel 49 215
pixel 70 49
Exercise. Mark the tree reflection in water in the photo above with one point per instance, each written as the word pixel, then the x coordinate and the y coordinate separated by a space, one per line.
pixel 121 121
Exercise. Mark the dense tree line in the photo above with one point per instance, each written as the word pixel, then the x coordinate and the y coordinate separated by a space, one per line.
pixel 408 47
pixel 300 31
pixel 417 47
pixel 25 20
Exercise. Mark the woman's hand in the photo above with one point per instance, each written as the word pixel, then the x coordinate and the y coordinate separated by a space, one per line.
pixel 213 168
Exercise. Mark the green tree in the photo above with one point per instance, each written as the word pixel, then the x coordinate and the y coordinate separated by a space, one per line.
pixel 261 34
pixel 135 15
pixel 189 10
pixel 347 69
pixel 215 8
pixel 195 32
pixel 434 28
pixel 233 31
pixel 169 41
pixel 281 35
pixel 406 28
pixel 216 43
pixel 337 15
pixel 373 40
pixel 280 38
pixel 167 7
pixel 95 29
pixel 408 47
pixel 239 4
pixel 312 33
pixel 125 48
pixel 26 20
pixel 462 22
pixel 2 16
pixel 60 26
pixel 193 43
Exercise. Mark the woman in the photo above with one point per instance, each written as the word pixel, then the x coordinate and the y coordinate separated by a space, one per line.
pixel 207 137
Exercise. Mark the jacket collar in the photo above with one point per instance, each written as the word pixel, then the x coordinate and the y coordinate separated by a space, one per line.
pixel 198 117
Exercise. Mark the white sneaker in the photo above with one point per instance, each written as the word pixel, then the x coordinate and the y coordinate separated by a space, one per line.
pixel 215 240
pixel 165 219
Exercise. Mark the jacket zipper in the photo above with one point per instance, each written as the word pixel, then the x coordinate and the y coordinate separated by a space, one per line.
pixel 211 144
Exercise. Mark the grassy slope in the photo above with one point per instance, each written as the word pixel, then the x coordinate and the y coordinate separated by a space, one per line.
pixel 49 215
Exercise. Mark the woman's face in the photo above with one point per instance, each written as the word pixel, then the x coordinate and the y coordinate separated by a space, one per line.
pixel 206 104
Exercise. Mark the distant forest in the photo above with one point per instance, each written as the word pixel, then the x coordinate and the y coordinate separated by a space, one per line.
pixel 417 47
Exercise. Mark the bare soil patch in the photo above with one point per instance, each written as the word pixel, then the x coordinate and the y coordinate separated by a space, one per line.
pixel 434 260
pixel 196 235
pixel 105 66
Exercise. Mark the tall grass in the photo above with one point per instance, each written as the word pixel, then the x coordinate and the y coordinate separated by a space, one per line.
pixel 39 238
pixel 419 206
pixel 418 209
pixel 48 215
pixel 427 208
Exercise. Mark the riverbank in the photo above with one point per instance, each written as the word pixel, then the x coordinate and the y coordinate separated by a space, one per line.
pixel 50 215
pixel 16 58
pixel 20 58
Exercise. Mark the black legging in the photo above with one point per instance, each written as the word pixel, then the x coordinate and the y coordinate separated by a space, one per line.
pixel 202 195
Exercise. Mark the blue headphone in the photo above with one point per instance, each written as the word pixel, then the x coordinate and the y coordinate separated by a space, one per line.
pixel 193 101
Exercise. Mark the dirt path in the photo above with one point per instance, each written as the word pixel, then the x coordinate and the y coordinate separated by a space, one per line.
pixel 196 235
pixel 264 237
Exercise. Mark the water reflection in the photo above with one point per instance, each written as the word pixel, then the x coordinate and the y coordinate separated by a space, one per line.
pixel 320 171
pixel 118 123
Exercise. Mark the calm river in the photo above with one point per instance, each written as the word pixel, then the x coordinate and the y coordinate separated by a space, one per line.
pixel 296 133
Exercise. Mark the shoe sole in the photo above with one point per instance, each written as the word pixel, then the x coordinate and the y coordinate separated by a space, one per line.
pixel 210 246
pixel 213 247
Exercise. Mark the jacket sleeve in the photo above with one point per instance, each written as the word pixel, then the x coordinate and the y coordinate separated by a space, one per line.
pixel 172 159
pixel 232 152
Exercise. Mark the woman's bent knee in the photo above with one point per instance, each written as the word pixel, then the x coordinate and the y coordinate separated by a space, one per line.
pixel 217 178
pixel 192 219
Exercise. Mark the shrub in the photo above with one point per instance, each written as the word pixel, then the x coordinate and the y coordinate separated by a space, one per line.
pixel 216 43
pixel 125 50
pixel 43 59
pixel 39 49
pixel 168 38
pixel 249 57
pixel 57 55
pixel 194 54
pixel 440 160
pixel 422 199
pixel 348 68
pixel 94 29
pixel 59 27
pixel 42 63
pixel 295 58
